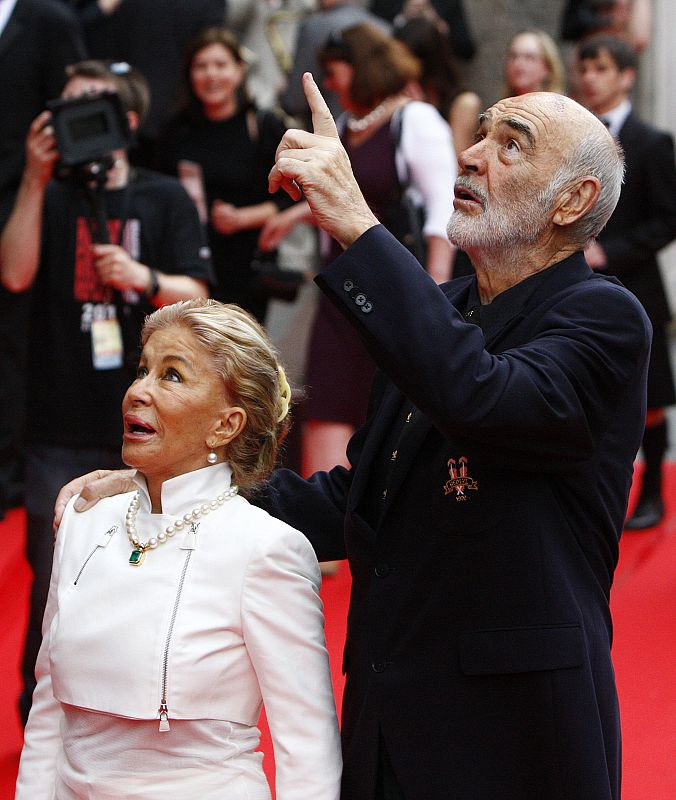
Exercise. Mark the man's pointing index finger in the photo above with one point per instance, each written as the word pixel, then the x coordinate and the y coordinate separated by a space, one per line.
pixel 322 121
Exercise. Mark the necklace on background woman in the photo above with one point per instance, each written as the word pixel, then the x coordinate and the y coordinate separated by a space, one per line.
pixel 360 124
pixel 140 548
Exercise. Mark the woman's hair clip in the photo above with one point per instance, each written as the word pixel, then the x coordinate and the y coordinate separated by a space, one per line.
pixel 284 395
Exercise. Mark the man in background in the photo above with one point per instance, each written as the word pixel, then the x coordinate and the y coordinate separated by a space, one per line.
pixel 642 224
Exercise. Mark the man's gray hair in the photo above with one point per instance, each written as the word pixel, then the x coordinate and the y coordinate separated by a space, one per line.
pixel 600 156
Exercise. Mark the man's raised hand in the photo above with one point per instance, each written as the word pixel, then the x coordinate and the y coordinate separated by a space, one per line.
pixel 317 164
pixel 322 119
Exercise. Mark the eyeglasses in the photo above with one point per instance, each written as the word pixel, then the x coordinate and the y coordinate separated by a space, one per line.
pixel 515 55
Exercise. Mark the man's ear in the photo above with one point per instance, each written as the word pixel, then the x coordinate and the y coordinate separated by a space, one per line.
pixel 628 78
pixel 577 200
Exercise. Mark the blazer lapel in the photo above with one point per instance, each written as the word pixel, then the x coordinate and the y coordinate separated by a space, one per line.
pixel 629 130
pixel 386 415
pixel 12 29
pixel 414 435
pixel 420 425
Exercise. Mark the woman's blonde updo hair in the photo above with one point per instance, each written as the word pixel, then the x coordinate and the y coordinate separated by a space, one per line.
pixel 244 357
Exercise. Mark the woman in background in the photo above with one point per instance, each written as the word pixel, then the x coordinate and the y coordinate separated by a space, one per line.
pixel 396 146
pixel 223 147
pixel 439 83
pixel 533 64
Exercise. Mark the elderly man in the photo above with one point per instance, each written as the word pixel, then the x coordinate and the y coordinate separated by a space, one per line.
pixel 487 492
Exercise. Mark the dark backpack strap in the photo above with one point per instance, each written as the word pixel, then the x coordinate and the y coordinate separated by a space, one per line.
pixel 396 127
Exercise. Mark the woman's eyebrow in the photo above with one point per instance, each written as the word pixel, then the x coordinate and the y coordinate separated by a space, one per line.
pixel 182 359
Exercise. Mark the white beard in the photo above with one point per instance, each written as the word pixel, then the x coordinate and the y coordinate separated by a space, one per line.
pixel 500 226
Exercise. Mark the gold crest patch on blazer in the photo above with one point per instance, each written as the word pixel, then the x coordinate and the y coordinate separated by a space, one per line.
pixel 460 480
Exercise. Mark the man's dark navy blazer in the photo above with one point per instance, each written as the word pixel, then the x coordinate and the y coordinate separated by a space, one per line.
pixel 479 633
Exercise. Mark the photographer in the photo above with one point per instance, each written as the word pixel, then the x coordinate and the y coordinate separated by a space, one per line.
pixel 94 255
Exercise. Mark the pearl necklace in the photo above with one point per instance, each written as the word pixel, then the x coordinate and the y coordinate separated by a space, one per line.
pixel 138 554
pixel 360 124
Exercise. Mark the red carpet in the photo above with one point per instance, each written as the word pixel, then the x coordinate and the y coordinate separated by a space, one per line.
pixel 644 608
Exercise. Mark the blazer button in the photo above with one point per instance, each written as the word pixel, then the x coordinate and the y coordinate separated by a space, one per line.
pixel 360 299
pixel 379 666
pixel 381 571
pixel 367 308
pixel 348 286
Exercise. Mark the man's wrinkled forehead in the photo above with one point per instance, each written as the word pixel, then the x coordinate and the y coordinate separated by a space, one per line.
pixel 534 115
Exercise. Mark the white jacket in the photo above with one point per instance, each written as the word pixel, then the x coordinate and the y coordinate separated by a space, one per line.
pixel 214 622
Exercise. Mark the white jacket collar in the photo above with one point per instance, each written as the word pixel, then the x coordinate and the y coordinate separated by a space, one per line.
pixel 182 494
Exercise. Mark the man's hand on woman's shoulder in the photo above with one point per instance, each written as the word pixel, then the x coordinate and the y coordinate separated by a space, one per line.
pixel 91 488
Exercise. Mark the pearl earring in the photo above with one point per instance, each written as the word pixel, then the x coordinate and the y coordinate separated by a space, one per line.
pixel 212 458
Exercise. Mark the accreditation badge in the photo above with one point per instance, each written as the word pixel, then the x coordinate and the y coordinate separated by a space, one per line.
pixel 107 350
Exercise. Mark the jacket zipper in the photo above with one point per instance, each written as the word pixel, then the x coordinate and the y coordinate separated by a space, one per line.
pixel 163 710
pixel 103 543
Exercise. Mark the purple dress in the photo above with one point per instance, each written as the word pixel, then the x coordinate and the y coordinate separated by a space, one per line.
pixel 339 370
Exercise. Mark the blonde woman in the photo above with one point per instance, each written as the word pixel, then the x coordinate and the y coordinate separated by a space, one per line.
pixel 177 608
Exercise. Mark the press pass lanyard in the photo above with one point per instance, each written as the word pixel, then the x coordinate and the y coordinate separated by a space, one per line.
pixel 108 335
pixel 98 219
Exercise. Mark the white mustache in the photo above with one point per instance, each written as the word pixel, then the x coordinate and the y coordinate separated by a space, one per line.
pixel 463 182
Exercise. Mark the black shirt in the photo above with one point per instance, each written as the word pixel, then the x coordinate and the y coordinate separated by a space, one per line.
pixel 70 402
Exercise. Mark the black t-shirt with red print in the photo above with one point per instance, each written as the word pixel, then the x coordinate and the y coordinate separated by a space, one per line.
pixel 77 373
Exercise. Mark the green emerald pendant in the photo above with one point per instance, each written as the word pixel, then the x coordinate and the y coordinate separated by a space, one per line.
pixel 137 556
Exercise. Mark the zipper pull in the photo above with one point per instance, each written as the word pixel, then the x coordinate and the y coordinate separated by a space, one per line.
pixel 164 718
pixel 190 538
pixel 107 536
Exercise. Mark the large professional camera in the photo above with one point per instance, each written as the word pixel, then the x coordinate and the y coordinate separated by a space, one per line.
pixel 87 130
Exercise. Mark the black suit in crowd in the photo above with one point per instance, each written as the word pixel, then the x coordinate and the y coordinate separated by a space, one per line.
pixel 481 518
pixel 41 37
pixel 644 220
